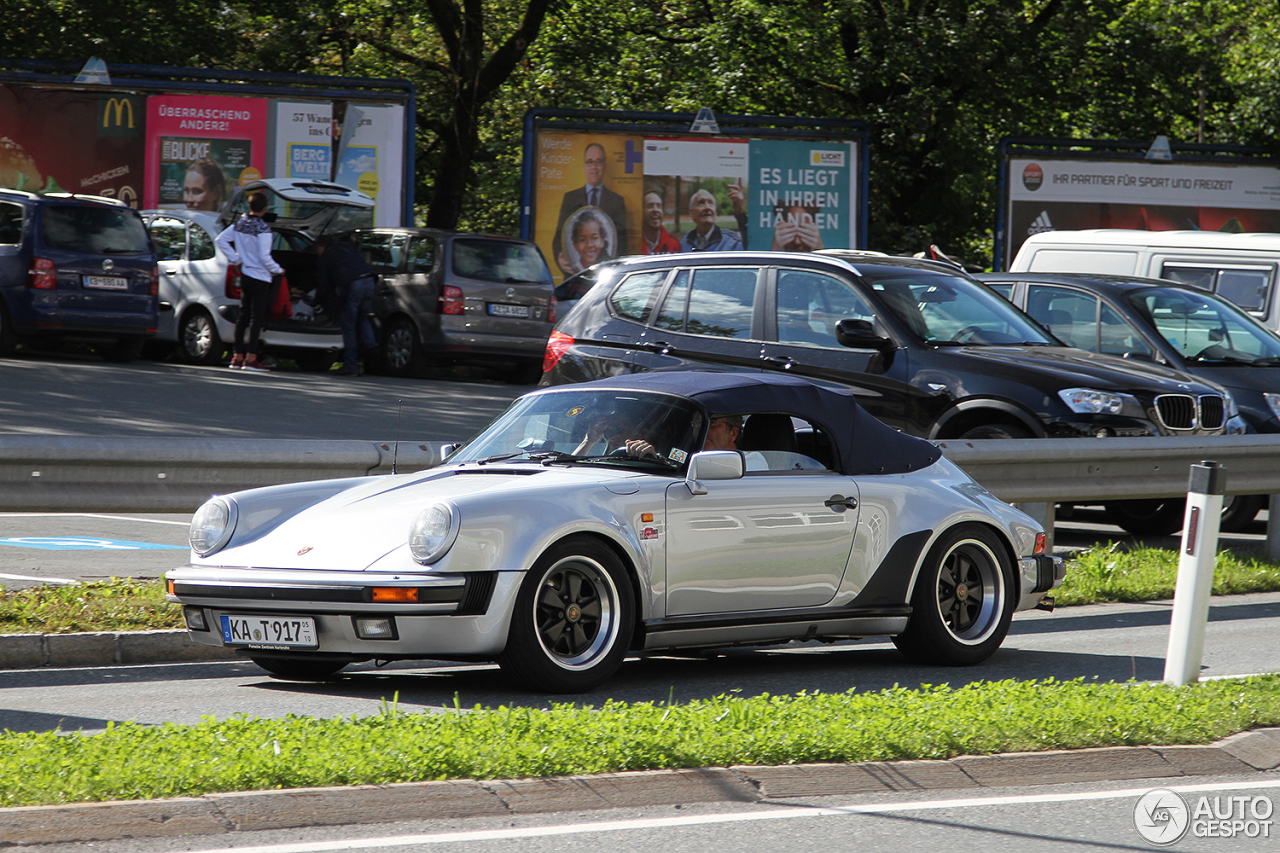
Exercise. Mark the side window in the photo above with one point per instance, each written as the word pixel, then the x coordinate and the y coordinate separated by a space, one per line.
pixel 1201 277
pixel 775 441
pixel 422 254
pixel 10 223
pixel 722 302
pixel 1070 315
pixel 1246 288
pixel 810 304
pixel 201 248
pixel 1117 337
pixel 377 250
pixel 170 236
pixel 635 296
pixel 671 316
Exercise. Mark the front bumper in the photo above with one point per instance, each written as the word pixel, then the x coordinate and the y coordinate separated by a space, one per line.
pixel 460 615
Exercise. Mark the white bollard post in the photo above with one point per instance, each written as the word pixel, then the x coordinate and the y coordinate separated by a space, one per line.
pixel 1195 573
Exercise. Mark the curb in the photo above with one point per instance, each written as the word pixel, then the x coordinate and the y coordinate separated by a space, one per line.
pixel 105 648
pixel 214 814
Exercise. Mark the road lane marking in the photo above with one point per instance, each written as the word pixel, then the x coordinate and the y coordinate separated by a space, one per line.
pixel 41 580
pixel 91 515
pixel 703 820
pixel 84 543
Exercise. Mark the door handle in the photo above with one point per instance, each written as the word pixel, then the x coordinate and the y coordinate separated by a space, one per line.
pixel 785 361
pixel 661 347
pixel 840 503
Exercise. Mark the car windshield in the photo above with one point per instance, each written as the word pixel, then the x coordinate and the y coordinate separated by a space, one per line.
pixel 1206 328
pixel 95 229
pixel 950 310
pixel 598 427
pixel 500 260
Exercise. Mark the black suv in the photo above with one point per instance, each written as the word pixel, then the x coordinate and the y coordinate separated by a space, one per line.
pixel 75 267
pixel 924 347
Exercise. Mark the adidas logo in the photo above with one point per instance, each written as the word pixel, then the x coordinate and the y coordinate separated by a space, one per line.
pixel 1041 224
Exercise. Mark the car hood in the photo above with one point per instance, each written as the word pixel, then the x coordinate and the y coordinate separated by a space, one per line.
pixel 355 528
pixel 1070 367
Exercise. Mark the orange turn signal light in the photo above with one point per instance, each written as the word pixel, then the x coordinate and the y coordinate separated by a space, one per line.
pixel 396 594
pixel 1041 541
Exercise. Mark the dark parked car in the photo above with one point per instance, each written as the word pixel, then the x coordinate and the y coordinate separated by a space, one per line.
pixel 76 267
pixel 449 297
pixel 923 347
pixel 1172 324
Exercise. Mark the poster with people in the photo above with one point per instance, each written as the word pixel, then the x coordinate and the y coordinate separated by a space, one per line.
pixel 57 140
pixel 588 192
pixel 200 147
pixel 703 186
pixel 302 140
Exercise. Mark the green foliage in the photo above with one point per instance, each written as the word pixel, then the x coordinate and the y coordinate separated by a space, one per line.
pixel 119 604
pixel 131 761
pixel 1107 573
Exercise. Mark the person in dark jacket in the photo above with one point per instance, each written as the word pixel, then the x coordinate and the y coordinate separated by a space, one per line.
pixel 347 279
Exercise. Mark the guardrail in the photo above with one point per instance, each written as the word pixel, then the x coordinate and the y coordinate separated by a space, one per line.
pixel 85 474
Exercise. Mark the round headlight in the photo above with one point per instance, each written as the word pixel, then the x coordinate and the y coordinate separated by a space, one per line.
pixel 212 526
pixel 432 532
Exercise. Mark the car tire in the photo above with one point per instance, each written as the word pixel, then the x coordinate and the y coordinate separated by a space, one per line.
pixel 298 669
pixel 573 619
pixel 1153 517
pixel 8 338
pixel 401 350
pixel 949 625
pixel 1238 512
pixel 198 339
pixel 996 431
pixel 122 351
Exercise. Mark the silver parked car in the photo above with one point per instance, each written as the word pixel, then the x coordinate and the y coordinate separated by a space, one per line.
pixel 588 522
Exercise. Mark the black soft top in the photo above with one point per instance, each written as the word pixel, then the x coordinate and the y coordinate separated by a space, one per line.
pixel 863 444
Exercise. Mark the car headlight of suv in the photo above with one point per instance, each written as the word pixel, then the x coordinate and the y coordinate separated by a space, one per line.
pixel 1087 401
pixel 212 526
pixel 432 532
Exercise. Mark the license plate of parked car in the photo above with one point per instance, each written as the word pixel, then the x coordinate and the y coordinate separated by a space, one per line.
pixel 500 310
pixel 106 282
pixel 266 630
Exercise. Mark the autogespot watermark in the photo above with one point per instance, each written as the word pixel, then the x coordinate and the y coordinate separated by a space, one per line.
pixel 1162 816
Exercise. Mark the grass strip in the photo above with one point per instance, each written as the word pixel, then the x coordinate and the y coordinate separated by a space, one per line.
pixel 132 761
pixel 1103 573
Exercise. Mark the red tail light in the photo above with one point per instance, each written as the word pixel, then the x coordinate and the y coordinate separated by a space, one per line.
pixel 44 275
pixel 551 310
pixel 232 286
pixel 1041 542
pixel 451 300
pixel 557 345
pixel 155 281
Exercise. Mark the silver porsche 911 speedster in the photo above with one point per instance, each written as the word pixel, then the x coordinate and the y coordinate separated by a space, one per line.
pixel 648 512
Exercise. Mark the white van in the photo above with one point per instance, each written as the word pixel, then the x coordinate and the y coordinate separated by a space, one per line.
pixel 1239 267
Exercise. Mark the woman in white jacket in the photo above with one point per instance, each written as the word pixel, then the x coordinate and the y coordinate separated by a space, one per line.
pixel 248 243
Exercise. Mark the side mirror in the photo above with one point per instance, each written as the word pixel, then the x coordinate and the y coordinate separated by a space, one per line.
pixel 860 334
pixel 714 465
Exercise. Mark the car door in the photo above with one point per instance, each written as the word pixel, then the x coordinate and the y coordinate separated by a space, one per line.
pixel 771 540
pixel 804 307
pixel 710 318
pixel 1084 320
pixel 170 237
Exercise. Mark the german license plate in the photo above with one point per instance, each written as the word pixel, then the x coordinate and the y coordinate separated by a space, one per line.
pixel 497 309
pixel 262 631
pixel 106 282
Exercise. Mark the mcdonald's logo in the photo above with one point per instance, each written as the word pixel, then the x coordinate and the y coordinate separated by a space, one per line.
pixel 120 115
pixel 121 105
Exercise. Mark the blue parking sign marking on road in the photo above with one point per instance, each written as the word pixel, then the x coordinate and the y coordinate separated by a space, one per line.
pixel 85 543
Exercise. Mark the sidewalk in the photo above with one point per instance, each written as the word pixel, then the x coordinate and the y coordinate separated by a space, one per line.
pixel 215 814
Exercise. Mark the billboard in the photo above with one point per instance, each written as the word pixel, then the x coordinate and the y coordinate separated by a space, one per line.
pixel 302 140
pixel 370 151
pixel 55 140
pixel 201 147
pixel 1045 191
pixel 594 191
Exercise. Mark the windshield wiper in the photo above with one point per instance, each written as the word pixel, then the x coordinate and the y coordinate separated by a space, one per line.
pixel 499 458
pixel 546 457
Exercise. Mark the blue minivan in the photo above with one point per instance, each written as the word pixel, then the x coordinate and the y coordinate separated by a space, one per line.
pixel 76 268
